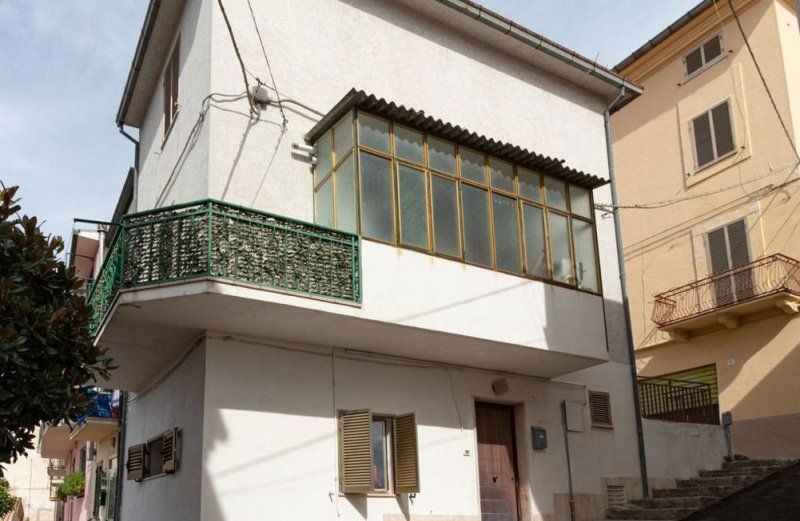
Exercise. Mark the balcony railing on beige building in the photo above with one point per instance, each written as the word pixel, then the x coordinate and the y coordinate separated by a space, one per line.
pixel 773 275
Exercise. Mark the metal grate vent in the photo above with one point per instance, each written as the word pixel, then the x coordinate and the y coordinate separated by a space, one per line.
pixel 600 408
pixel 616 496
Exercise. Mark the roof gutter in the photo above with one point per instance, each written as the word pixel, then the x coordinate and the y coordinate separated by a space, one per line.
pixel 544 45
pixel 138 59
pixel 671 29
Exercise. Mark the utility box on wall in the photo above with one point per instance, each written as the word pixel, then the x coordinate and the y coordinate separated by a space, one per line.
pixel 539 438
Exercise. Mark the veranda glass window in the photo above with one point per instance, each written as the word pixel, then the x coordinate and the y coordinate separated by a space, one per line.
pixel 403 186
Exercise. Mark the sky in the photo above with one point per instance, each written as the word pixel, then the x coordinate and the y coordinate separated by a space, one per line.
pixel 64 65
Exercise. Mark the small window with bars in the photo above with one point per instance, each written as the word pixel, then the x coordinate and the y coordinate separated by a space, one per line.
pixel 378 453
pixel 703 56
pixel 157 457
pixel 713 134
pixel 600 409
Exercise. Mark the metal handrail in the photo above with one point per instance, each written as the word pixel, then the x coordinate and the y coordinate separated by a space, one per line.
pixel 677 400
pixel 214 239
pixel 774 274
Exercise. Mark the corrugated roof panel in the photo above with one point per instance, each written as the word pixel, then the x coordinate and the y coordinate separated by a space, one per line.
pixel 419 120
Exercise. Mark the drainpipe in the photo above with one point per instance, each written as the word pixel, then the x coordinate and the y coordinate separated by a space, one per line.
pixel 123 420
pixel 624 289
pixel 135 196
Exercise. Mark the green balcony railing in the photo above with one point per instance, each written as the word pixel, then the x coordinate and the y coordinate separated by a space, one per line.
pixel 212 239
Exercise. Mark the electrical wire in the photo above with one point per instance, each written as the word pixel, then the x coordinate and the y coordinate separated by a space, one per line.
pixel 661 204
pixel 269 68
pixel 763 80
pixel 253 109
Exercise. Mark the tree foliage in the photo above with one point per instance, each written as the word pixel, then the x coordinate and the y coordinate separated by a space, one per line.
pixel 47 355
pixel 7 501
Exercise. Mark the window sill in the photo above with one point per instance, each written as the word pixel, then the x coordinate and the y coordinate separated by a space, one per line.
pixel 701 173
pixel 603 426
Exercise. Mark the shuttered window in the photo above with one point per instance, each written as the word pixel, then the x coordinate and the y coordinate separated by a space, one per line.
pixel 703 56
pixel 136 464
pixel 728 249
pixel 372 448
pixel 169 451
pixel 99 491
pixel 170 84
pixel 159 456
pixel 355 450
pixel 600 409
pixel 406 464
pixel 713 134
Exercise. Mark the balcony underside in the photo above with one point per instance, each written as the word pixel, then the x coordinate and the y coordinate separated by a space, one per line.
pixel 732 316
pixel 55 442
pixel 149 328
pixel 94 429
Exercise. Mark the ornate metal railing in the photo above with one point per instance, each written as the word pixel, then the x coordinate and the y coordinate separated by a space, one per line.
pixel 212 239
pixel 678 401
pixel 773 274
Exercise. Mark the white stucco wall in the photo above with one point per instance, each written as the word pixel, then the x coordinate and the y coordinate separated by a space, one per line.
pixel 681 450
pixel 174 402
pixel 270 434
pixel 173 168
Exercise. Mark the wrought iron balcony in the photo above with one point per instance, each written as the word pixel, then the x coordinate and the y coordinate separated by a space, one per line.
pixel 212 239
pixel 730 294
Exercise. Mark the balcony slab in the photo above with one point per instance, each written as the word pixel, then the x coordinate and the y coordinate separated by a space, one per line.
pixel 148 328
pixel 94 429
pixel 55 442
pixel 731 317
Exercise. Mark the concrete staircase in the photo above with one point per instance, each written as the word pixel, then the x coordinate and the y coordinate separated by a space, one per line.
pixel 694 494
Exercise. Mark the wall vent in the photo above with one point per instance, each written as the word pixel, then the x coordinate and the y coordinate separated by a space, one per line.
pixel 616 496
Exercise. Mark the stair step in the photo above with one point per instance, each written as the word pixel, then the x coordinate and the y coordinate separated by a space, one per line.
pixel 633 513
pixel 741 471
pixel 707 491
pixel 693 502
pixel 721 481
pixel 738 464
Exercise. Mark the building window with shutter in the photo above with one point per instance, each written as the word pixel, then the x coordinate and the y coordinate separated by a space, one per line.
pixel 729 254
pixel 378 453
pixel 157 457
pixel 170 86
pixel 600 409
pixel 703 56
pixel 712 133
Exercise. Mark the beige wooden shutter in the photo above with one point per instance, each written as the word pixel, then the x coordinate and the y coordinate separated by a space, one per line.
pixel 406 457
pixel 170 450
pixel 723 130
pixel 600 408
pixel 355 451
pixel 137 456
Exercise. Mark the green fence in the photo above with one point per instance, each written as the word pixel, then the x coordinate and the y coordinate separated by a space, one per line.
pixel 215 239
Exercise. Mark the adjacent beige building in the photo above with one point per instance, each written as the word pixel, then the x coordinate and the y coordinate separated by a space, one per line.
pixel 707 168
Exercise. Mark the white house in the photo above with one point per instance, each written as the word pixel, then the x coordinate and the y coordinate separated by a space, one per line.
pixel 361 275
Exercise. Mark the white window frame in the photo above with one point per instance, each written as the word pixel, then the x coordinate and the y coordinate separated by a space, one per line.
pixel 706 63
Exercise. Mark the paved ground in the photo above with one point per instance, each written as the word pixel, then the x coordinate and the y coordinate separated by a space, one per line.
pixel 777 498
